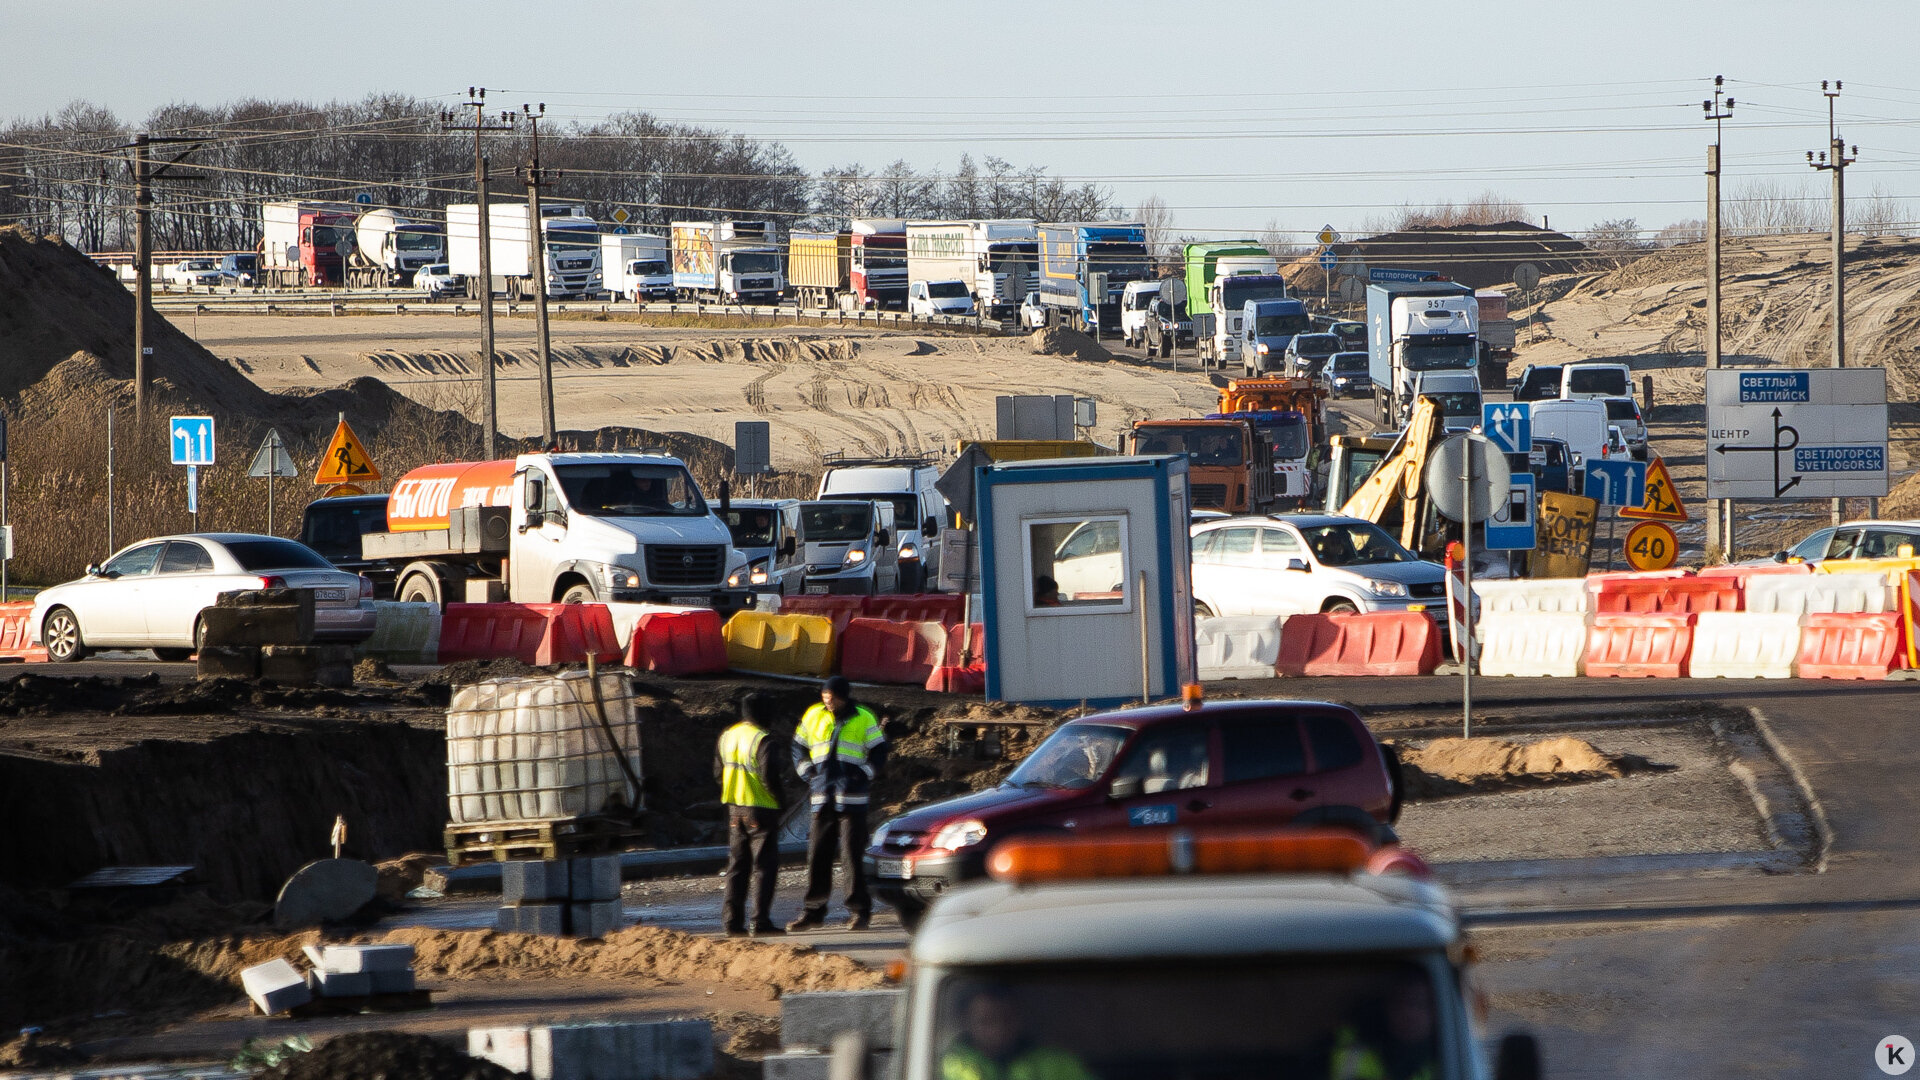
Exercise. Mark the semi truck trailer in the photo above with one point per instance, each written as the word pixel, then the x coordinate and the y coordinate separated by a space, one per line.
pixel 995 257
pixel 1415 327
pixel 305 243
pixel 1085 268
pixel 562 250
pixel 727 262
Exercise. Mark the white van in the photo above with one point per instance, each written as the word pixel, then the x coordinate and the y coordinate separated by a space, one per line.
pixel 1582 425
pixel 1595 380
pixel 919 510
pixel 1136 304
pixel 926 299
pixel 1456 392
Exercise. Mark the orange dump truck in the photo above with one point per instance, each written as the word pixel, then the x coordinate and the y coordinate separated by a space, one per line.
pixel 1289 415
pixel 1227 467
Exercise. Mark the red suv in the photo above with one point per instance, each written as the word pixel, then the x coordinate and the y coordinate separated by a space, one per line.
pixel 1235 763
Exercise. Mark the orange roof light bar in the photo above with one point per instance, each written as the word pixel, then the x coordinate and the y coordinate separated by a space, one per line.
pixel 1179 851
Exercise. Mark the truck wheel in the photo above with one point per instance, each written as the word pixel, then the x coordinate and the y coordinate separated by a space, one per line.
pixel 419 588
pixel 579 594
pixel 1340 607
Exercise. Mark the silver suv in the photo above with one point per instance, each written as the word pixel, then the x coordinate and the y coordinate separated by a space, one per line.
pixel 1292 564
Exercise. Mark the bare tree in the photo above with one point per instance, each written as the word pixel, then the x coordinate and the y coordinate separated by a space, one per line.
pixel 1617 242
pixel 1692 231
pixel 1153 213
pixel 1879 214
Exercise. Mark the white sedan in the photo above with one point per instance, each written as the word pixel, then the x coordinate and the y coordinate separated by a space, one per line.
pixel 151 594
pixel 1033 314
pixel 194 272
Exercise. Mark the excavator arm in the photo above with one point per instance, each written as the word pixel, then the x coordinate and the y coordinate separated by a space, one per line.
pixel 1399 484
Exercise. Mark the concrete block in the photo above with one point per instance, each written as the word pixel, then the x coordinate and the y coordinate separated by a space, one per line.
pixel 504 1046
pixel 485 591
pixel 547 919
pixel 289 665
pixel 340 983
pixel 316 954
pixel 350 958
pixel 392 982
pixel 810 1021
pixel 594 877
pixel 817 1064
pixel 275 987
pixel 228 662
pixel 664 1050
pixel 525 881
pixel 258 625
pixel 336 676
pixel 594 919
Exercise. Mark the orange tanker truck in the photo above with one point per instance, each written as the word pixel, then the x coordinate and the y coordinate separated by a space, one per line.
pixel 1227 467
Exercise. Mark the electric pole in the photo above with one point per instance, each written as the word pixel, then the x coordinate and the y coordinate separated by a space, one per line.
pixel 1834 159
pixel 1716 108
pixel 144 176
pixel 536 176
pixel 477 101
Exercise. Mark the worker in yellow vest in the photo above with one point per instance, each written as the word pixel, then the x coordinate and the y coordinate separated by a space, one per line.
pixel 993 1044
pixel 1398 1046
pixel 838 751
pixel 744 764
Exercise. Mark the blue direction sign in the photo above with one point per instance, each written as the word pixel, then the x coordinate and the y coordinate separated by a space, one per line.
pixel 1508 425
pixel 364 198
pixel 191 439
pixel 1617 483
pixel 1510 527
pixel 1328 260
pixel 1380 273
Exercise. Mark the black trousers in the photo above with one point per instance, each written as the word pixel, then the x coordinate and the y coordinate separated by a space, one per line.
pixel 752 844
pixel 841 833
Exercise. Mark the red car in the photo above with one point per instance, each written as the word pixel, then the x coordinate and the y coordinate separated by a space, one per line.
pixel 1234 763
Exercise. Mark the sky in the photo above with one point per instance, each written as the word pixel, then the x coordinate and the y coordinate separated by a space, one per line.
pixel 1235 114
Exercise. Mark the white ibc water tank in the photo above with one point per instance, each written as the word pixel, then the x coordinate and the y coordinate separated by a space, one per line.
pixel 534 749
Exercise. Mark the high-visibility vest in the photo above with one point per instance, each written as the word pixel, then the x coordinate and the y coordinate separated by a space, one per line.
pixel 740 781
pixel 859 734
pixel 963 1062
pixel 1353 1061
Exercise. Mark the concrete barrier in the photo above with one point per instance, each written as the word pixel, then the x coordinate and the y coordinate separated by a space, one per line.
pixel 1744 645
pixel 1795 594
pixel 620 1050
pixel 1236 647
pixel 1532 644
pixel 403 633
pixel 1545 595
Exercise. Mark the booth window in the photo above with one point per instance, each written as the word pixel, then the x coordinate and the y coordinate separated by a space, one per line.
pixel 1077 564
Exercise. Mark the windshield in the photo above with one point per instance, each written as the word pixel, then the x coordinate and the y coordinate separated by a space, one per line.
pixel 836 522
pixel 1610 381
pixel 325 236
pixel 1350 1015
pixel 1457 404
pixel 244 263
pixel 1351 332
pixel 883 259
pixel 617 489
pixel 1280 325
pixel 755 262
pixel 1316 345
pixel 1076 756
pixel 202 264
pixel 1202 445
pixel 1350 362
pixel 335 530
pixel 271 554
pixel 751 526
pixel 906 508
pixel 1288 438
pixel 1234 296
pixel 1117 260
pixel 651 268
pixel 1437 357
pixel 947 290
pixel 1355 544
pixel 572 241
pixel 417 241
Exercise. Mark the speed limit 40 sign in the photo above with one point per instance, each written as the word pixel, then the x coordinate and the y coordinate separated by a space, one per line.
pixel 1651 545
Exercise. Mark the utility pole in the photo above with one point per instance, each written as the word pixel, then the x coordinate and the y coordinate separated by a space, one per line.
pixel 477 101
pixel 144 175
pixel 1834 159
pixel 536 176
pixel 1719 511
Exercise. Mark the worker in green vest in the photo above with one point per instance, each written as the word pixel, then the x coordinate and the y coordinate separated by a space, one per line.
pixel 744 764
pixel 1396 1046
pixel 993 1044
pixel 838 751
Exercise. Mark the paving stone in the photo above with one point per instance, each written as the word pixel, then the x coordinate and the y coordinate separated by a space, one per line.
pixel 275 986
pixel 809 1021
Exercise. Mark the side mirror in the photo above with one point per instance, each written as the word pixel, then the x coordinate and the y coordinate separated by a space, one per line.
pixel 787 546
pixel 1518 1058
pixel 883 538
pixel 93 570
pixel 1780 556
pixel 1298 564
pixel 1126 787
pixel 930 526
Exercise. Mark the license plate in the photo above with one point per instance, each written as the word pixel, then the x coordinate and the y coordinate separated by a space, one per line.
pixel 817 590
pixel 893 868
pixel 1152 815
pixel 335 595
pixel 688 601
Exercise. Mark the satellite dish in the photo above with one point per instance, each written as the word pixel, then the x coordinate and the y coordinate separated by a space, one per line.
pixel 1491 478
pixel 1526 276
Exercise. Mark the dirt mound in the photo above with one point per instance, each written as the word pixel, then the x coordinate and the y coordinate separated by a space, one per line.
pixel 1474 766
pixel 767 351
pixel 1480 256
pixel 1070 343
pixel 34 1051
pixel 1903 501
pixel 409 871
pixel 384 1055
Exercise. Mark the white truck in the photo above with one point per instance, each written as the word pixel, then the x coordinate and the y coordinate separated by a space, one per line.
pixel 997 258
pixel 1414 327
pixel 728 262
pixel 563 252
pixel 389 249
pixel 636 266
pixel 910 487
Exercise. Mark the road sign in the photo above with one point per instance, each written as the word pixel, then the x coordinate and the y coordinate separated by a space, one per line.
pixel 1617 483
pixel 344 246
pixel 1786 433
pixel 1491 477
pixel 1651 545
pixel 1662 501
pixel 620 230
pixel 346 460
pixel 1173 290
pixel 272 458
pixel 3 439
pixel 1352 290
pixel 620 216
pixel 1382 273
pixel 1328 260
pixel 1508 425
pixel 1566 535
pixel 193 490
pixel 1327 235
pixel 364 198
pixel 1526 276
pixel 752 447
pixel 1510 527
pixel 191 439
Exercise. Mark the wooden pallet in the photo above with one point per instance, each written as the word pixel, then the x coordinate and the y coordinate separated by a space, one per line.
pixel 502 841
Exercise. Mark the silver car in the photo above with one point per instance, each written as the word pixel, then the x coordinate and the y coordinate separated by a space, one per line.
pixel 150 595
pixel 1292 564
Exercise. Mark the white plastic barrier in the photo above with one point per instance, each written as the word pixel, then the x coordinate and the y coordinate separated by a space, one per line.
pixel 1236 647
pixel 403 633
pixel 1744 645
pixel 1532 643
pixel 1516 596
pixel 1799 594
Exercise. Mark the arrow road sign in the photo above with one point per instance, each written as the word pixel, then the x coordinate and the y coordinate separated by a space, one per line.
pixel 1510 528
pixel 1797 433
pixel 1617 483
pixel 1508 425
pixel 272 458
pixel 1328 260
pixel 191 439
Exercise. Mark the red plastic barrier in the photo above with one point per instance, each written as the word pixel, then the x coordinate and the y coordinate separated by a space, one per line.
pixel 493 632
pixel 678 643
pixel 15 629
pixel 574 631
pixel 1744 572
pixel 1852 645
pixel 965 669
pixel 1675 595
pixel 1379 643
pixel 917 607
pixel 841 609
pixel 882 651
pixel 948 679
pixel 1640 646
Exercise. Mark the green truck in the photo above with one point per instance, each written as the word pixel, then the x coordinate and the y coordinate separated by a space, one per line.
pixel 1203 263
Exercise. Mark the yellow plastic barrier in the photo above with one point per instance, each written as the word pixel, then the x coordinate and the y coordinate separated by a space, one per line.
pixel 780 644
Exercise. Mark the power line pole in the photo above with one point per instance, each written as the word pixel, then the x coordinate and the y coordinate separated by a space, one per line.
pixel 536 176
pixel 477 101
pixel 1834 159
pixel 1716 108
pixel 144 176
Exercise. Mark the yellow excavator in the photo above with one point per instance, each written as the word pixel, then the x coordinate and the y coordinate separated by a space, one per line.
pixel 1395 496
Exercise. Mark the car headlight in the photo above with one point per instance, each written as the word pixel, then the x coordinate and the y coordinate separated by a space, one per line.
pixel 855 555
pixel 1263 350
pixel 733 580
pixel 909 551
pixel 1386 588
pixel 960 834
pixel 757 576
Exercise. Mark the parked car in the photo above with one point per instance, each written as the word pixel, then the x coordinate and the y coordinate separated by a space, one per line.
pixel 1289 564
pixel 1033 314
pixel 1307 352
pixel 194 272
pixel 1538 382
pixel 1853 540
pixel 1624 413
pixel 150 595
pixel 333 527
pixel 1228 763
pixel 438 280
pixel 926 299
pixel 1345 375
pixel 766 532
pixel 849 547
pixel 240 270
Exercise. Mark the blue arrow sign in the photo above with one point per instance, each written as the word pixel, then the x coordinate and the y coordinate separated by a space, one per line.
pixel 1617 483
pixel 190 438
pixel 364 198
pixel 1510 528
pixel 1508 425
pixel 1327 258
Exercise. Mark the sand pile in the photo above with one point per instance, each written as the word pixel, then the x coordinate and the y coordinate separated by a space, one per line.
pixel 1903 501
pixel 1474 766
pixel 1070 343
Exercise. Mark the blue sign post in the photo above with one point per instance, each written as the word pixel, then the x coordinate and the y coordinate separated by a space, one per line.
pixel 191 440
pixel 1617 483
pixel 1508 425
pixel 1327 259
pixel 1510 527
